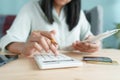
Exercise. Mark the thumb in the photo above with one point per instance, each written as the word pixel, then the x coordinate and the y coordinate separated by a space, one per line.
pixel 89 37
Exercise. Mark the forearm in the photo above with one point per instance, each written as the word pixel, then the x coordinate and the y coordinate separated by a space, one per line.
pixel 16 47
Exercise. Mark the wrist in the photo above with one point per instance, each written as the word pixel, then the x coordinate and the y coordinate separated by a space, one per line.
pixel 21 48
pixel 16 47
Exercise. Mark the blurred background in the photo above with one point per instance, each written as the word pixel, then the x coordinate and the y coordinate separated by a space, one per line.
pixel 111 14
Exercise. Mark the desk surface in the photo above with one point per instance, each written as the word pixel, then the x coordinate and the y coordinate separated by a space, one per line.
pixel 27 69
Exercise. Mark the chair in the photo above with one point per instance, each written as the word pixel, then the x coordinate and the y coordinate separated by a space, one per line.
pixel 95 18
pixel 5 23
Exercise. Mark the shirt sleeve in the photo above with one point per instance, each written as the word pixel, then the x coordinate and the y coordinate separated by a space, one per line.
pixel 85 27
pixel 19 30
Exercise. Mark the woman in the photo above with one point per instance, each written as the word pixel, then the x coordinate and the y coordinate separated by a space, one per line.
pixel 40 21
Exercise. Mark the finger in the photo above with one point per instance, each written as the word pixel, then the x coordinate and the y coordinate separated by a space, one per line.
pixel 85 49
pixel 82 46
pixel 49 35
pixel 77 45
pixel 44 44
pixel 34 37
pixel 79 48
pixel 37 37
pixel 85 46
pixel 52 47
pixel 91 50
pixel 37 46
pixel 73 44
pixel 93 46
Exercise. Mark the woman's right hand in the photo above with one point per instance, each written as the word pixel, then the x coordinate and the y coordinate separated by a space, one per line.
pixel 39 41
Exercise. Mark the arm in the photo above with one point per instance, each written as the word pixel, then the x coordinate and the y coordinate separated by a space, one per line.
pixel 37 42
pixel 19 31
pixel 84 35
pixel 15 47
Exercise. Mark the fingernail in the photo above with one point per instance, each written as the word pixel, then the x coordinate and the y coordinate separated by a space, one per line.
pixel 56 53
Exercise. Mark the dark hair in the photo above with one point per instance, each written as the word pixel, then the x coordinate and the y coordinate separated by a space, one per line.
pixel 72 11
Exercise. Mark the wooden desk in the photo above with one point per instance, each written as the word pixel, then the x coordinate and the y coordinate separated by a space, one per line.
pixel 26 69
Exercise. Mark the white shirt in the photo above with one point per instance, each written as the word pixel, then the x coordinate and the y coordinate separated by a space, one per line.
pixel 31 18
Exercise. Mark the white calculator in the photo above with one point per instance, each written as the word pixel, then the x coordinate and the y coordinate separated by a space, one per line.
pixel 50 61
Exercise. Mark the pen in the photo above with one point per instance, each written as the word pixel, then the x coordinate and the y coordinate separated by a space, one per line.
pixel 53 42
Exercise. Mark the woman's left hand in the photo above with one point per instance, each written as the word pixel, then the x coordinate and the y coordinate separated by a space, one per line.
pixel 87 46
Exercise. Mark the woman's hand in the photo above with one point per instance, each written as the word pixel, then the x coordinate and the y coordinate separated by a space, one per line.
pixel 87 46
pixel 39 41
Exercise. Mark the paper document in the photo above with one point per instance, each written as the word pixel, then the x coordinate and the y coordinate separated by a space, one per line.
pixel 103 35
